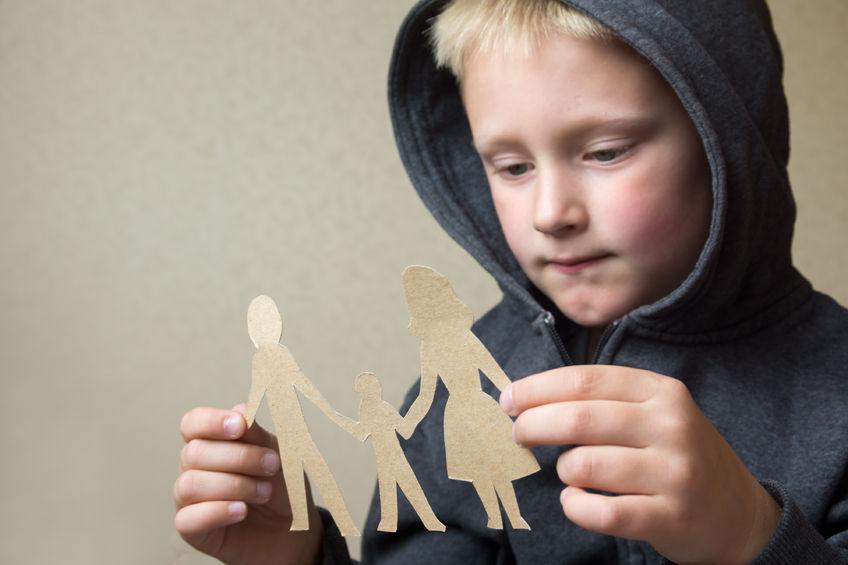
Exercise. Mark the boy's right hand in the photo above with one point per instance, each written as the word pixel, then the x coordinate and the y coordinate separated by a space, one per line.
pixel 231 499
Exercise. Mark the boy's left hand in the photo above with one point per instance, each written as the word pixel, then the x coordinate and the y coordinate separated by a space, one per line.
pixel 640 435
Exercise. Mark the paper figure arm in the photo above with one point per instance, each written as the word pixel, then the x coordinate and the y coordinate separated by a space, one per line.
pixel 486 363
pixel 357 430
pixel 254 397
pixel 405 427
pixel 314 395
pixel 426 392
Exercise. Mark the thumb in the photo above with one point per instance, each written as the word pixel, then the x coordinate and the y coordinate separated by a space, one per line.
pixel 256 434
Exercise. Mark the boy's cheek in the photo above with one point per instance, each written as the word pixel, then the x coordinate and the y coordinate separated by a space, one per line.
pixel 516 222
pixel 661 211
pixel 644 225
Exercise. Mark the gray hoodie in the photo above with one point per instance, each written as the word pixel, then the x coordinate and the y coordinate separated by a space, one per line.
pixel 761 352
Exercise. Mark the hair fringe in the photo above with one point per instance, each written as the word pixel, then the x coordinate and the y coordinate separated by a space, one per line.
pixel 466 27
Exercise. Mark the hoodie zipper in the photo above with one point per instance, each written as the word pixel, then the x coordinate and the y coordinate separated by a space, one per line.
pixel 550 322
pixel 603 339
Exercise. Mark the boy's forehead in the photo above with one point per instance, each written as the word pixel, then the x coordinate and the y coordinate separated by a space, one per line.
pixel 569 50
pixel 586 83
pixel 612 65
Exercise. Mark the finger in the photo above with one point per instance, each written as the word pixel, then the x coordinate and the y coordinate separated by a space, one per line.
pixel 256 434
pixel 212 423
pixel 229 457
pixel 580 382
pixel 585 422
pixel 621 470
pixel 194 522
pixel 628 516
pixel 195 486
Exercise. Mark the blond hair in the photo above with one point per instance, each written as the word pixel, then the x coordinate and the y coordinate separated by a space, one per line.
pixel 466 27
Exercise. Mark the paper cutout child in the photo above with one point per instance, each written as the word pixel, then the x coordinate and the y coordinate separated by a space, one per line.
pixel 276 374
pixel 478 435
pixel 380 420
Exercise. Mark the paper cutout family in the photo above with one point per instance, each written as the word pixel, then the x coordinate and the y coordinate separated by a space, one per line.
pixel 478 434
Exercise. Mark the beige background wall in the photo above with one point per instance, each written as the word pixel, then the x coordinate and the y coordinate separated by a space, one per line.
pixel 163 162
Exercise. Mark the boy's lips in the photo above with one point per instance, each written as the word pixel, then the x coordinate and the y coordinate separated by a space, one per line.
pixel 575 264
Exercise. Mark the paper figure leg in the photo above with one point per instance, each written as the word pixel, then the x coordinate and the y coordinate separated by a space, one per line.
pixel 319 473
pixel 388 504
pixel 296 486
pixel 486 492
pixel 408 483
pixel 510 504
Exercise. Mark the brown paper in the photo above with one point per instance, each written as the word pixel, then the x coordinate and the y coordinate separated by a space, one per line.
pixel 275 374
pixel 379 420
pixel 478 435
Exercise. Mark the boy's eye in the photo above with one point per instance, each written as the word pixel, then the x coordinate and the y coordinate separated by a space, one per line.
pixel 607 155
pixel 514 170
pixel 517 169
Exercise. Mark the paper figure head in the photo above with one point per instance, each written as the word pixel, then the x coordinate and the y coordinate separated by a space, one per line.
pixel 368 386
pixel 264 323
pixel 432 302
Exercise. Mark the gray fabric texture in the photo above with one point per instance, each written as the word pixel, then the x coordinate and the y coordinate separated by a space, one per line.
pixel 762 353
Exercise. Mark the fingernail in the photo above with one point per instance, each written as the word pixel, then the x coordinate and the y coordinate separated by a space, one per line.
pixel 237 509
pixel 232 426
pixel 506 400
pixel 270 463
pixel 263 489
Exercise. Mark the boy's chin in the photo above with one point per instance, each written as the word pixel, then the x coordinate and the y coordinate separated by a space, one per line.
pixel 591 315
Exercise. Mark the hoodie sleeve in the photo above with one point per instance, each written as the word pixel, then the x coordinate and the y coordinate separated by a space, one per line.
pixel 797 541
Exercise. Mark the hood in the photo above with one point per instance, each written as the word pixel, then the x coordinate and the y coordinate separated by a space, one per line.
pixel 724 63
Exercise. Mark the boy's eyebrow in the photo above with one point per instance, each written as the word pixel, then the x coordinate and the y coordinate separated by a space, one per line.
pixel 488 143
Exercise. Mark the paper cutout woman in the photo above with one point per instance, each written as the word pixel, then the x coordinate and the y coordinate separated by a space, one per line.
pixel 381 421
pixel 276 374
pixel 478 434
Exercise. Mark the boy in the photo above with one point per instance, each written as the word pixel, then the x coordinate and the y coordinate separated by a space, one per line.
pixel 620 169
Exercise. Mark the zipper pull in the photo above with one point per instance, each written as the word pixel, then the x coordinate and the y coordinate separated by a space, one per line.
pixel 550 321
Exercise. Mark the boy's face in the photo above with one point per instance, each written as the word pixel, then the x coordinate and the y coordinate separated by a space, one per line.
pixel 598 176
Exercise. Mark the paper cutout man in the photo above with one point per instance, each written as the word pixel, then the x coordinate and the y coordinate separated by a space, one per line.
pixel 478 435
pixel 276 374
pixel 380 420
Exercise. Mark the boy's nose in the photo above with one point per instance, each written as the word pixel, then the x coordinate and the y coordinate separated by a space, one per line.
pixel 559 204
